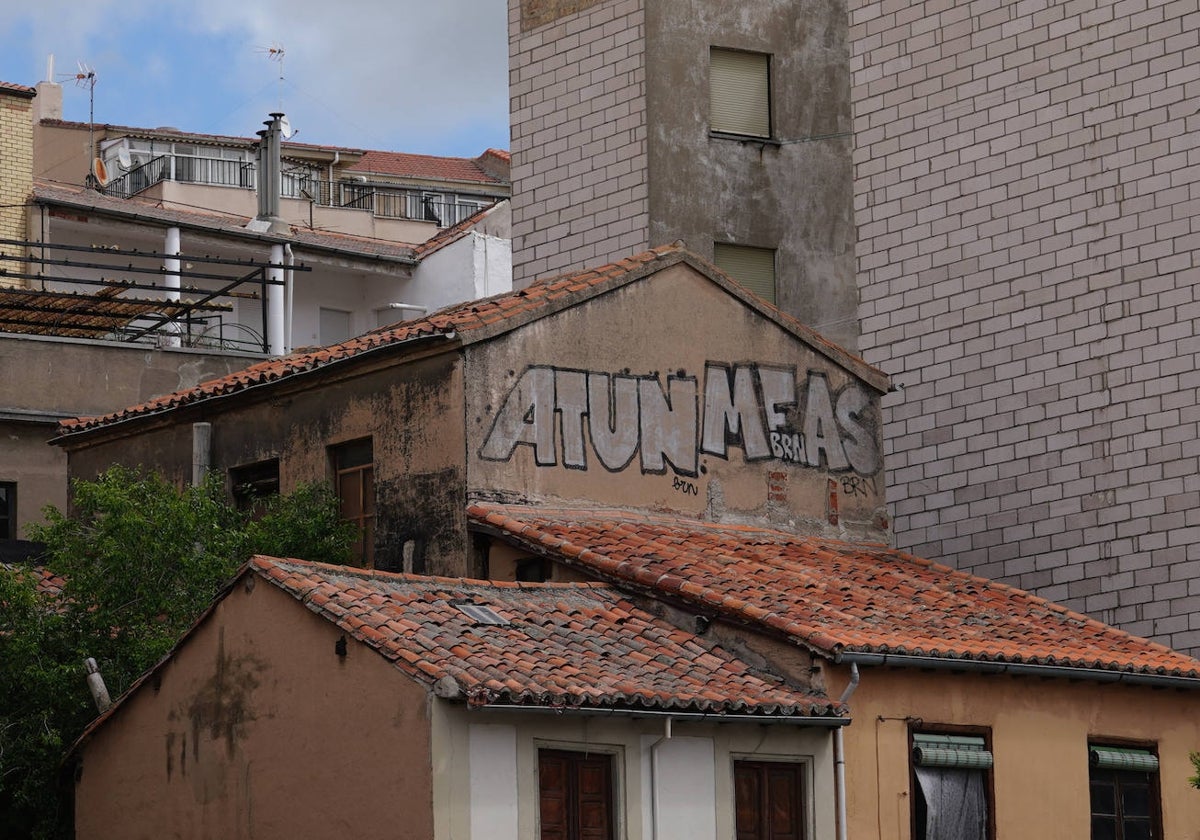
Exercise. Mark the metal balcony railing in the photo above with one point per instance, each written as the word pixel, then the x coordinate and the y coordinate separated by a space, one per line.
pixel 380 199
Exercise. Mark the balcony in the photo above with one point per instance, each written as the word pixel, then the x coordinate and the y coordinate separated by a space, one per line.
pixel 380 199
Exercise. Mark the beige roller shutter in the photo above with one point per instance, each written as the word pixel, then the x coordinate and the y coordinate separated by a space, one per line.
pixel 754 268
pixel 739 89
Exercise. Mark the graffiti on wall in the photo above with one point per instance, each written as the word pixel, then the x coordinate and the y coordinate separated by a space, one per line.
pixel 765 412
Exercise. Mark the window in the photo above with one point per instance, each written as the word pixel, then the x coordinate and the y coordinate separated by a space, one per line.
pixel 253 483
pixel 739 86
pixel 1124 793
pixel 8 510
pixel 769 800
pixel 575 793
pixel 952 775
pixel 753 268
pixel 354 482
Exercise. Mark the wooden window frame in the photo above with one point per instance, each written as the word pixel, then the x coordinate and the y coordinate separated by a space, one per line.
pixel 252 484
pixel 1155 783
pixel 349 467
pixel 801 803
pixel 578 758
pixel 989 788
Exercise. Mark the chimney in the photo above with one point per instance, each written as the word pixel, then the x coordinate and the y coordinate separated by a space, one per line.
pixel 270 179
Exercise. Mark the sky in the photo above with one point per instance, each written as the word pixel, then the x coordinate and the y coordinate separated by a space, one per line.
pixel 399 75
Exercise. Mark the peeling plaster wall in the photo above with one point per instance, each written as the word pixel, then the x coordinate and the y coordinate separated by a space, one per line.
pixel 257 729
pixel 533 424
pixel 412 412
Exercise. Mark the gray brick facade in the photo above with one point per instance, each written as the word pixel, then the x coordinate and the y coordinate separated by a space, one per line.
pixel 1026 197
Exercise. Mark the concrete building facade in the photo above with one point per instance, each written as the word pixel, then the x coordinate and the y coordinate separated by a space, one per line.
pixel 1026 199
pixel 620 142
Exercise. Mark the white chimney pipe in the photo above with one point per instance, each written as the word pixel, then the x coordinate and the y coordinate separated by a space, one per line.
pixel 95 684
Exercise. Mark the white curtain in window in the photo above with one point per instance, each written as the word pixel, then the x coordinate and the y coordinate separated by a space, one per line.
pixel 956 803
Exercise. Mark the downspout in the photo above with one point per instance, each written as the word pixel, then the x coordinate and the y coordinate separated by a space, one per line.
pixel 171 280
pixel 839 757
pixel 290 291
pixel 654 807
pixel 275 306
pixel 201 452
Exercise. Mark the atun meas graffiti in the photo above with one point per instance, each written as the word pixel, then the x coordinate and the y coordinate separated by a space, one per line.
pixel 765 411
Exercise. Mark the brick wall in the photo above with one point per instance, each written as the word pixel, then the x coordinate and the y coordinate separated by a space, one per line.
pixel 1026 200
pixel 577 108
pixel 16 166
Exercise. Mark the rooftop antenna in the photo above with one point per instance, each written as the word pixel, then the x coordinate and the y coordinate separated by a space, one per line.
pixel 85 77
pixel 275 52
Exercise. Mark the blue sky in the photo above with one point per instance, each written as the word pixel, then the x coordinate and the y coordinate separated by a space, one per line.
pixel 402 75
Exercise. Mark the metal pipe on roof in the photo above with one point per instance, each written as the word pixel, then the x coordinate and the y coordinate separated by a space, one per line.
pixel 839 756
pixel 1024 668
pixel 171 265
pixel 693 717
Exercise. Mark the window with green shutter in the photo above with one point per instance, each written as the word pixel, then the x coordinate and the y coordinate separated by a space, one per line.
pixel 1123 783
pixel 951 786
pixel 739 86
pixel 753 268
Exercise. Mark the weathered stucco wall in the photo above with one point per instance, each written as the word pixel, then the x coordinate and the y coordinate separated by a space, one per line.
pixel 412 412
pixel 257 729
pixel 1040 730
pixel 793 194
pixel 486 784
pixel 716 412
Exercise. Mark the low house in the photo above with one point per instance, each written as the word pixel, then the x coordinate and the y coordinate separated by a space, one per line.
pixel 652 425
pixel 980 710
pixel 321 701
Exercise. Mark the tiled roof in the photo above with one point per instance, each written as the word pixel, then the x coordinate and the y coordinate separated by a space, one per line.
pixel 830 596
pixel 424 167
pixel 199 137
pixel 563 645
pixel 22 90
pixel 49 584
pixel 474 321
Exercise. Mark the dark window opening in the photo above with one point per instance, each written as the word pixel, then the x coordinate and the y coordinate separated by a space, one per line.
pixel 354 480
pixel 8 510
pixel 1124 793
pixel 575 795
pixel 533 570
pixel 769 800
pixel 952 785
pixel 253 484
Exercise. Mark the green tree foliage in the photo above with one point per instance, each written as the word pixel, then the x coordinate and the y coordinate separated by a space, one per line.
pixel 1194 781
pixel 141 560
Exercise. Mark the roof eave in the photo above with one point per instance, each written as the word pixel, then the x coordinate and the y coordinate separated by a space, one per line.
pixel 829 721
pixel 981 666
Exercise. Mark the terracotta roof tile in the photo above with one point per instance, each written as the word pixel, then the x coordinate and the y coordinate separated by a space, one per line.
pixel 22 90
pixel 424 167
pixel 563 645
pixel 829 595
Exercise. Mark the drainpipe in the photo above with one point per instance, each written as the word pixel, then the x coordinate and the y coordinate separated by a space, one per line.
pixel 171 280
pixel 839 757
pixel 275 303
pixel 654 807
pixel 290 297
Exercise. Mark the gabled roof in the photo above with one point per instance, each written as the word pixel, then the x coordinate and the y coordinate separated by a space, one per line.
pixel 835 598
pixel 424 167
pixel 564 645
pixel 479 320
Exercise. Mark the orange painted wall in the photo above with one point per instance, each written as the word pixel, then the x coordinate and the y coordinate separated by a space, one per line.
pixel 258 729
pixel 1040 730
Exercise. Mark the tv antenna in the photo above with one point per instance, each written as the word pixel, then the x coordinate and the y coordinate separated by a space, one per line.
pixel 85 77
pixel 275 52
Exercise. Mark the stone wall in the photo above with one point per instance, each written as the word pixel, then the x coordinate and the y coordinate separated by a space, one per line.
pixel 1026 199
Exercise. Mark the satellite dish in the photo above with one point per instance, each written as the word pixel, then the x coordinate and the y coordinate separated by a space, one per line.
pixel 285 128
pixel 100 172
pixel 123 157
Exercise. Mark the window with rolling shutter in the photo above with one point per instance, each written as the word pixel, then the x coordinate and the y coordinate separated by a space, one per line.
pixel 768 800
pixel 951 783
pixel 753 268
pixel 575 795
pixel 1123 783
pixel 739 85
